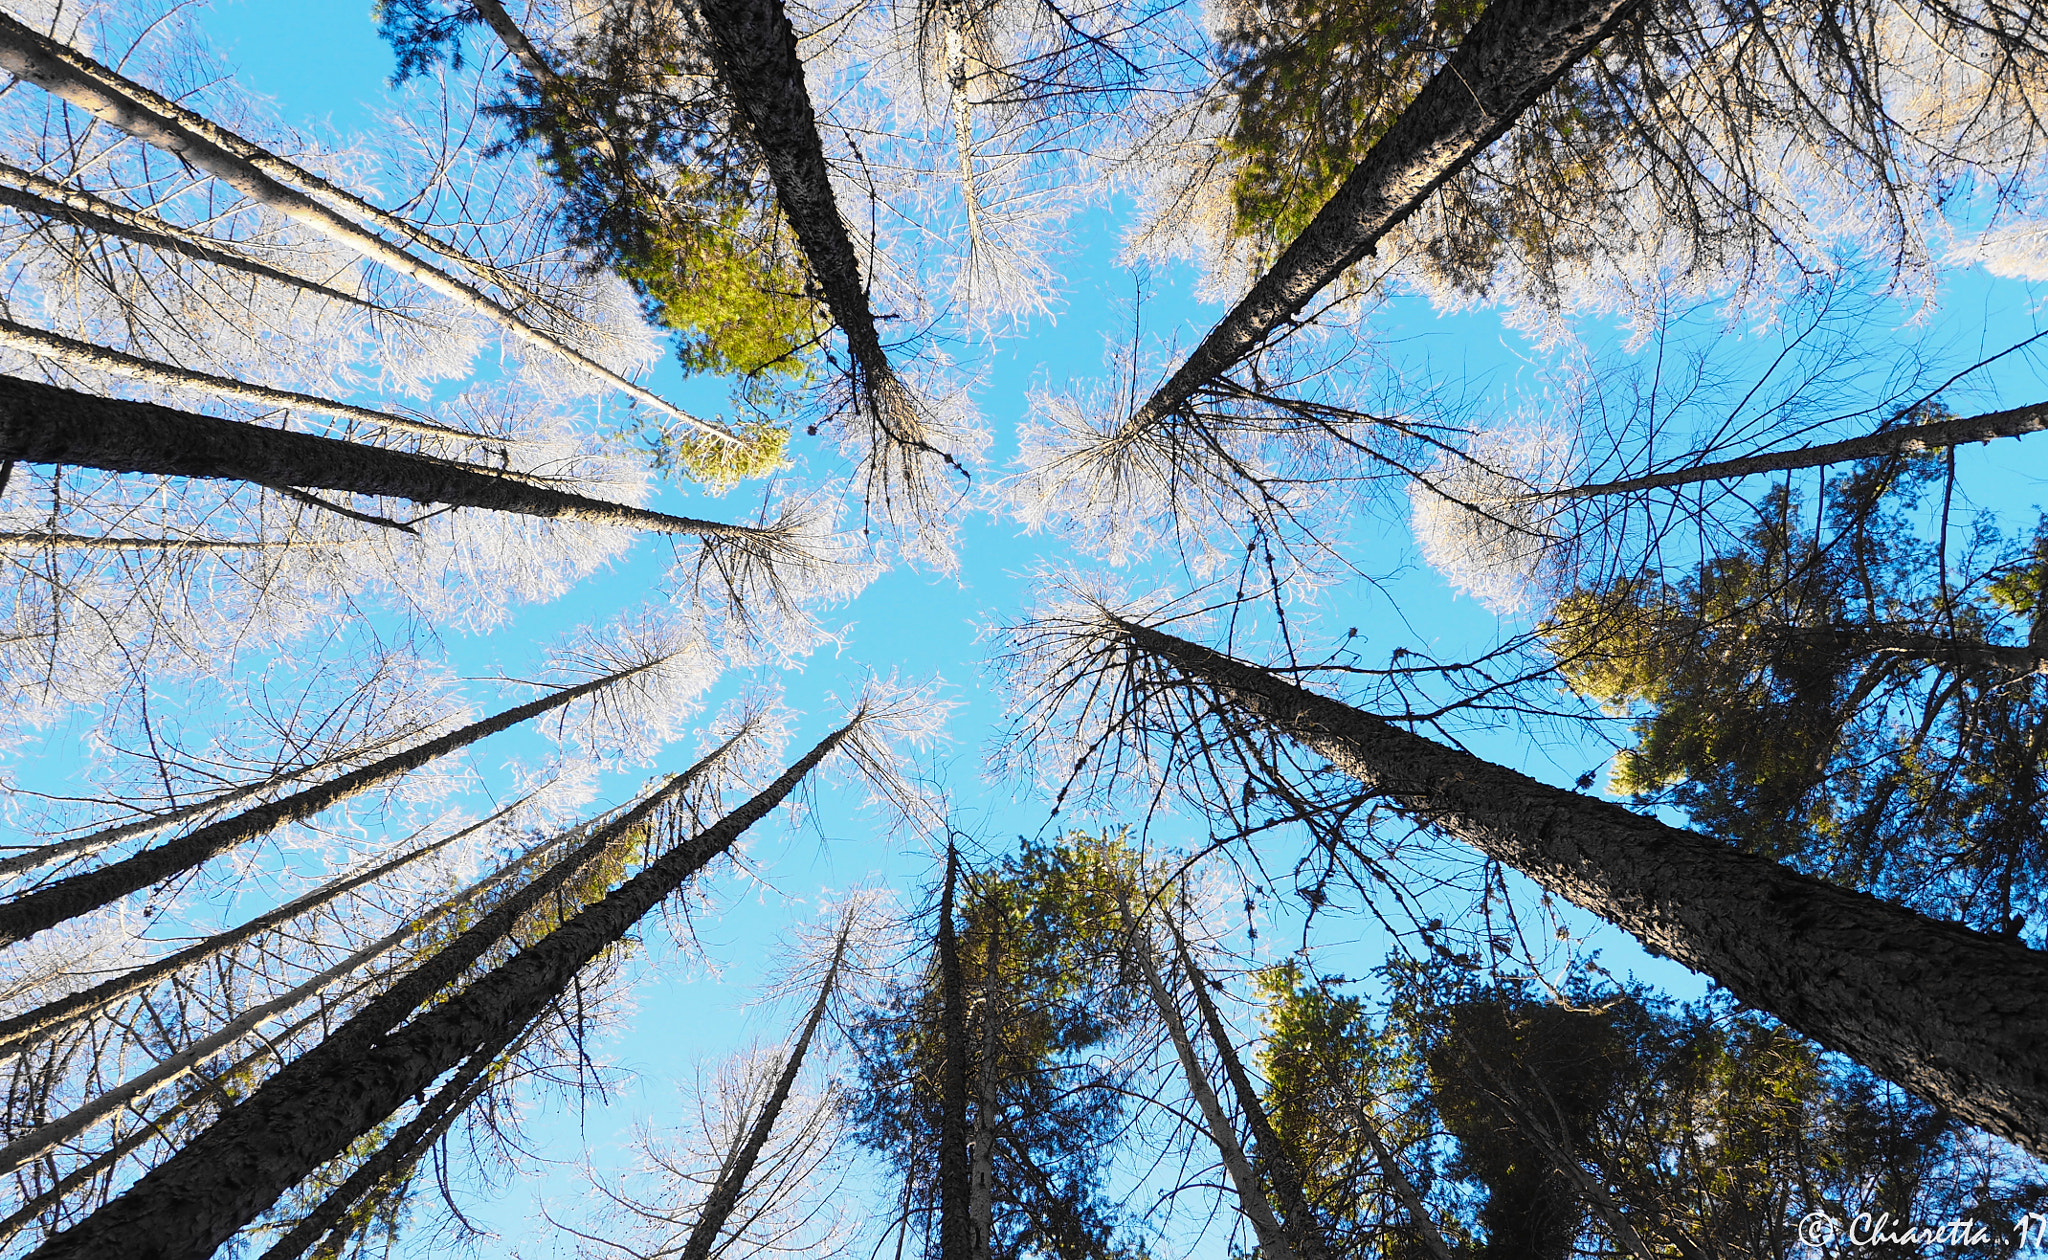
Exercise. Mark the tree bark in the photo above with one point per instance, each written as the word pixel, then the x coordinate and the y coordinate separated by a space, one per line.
pixel 42 424
pixel 1265 1224
pixel 732 1180
pixel 1901 440
pixel 98 841
pixel 956 1196
pixel 981 1162
pixel 1513 54
pixel 114 100
pixel 1957 1016
pixel 754 48
pixel 312 1109
pixel 24 1030
pixel 48 345
pixel 1283 1169
pixel 80 894
pixel 48 199
pixel 1404 1189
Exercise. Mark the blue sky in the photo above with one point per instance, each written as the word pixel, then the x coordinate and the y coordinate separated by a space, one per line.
pixel 323 61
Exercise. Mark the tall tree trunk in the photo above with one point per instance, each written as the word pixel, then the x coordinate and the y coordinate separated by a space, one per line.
pixel 80 894
pixel 98 841
pixel 311 1110
pixel 981 1163
pixel 48 345
pixel 67 73
pixel 395 1158
pixel 24 1030
pixel 1410 1198
pixel 1513 54
pixel 42 424
pixel 956 1196
pixel 732 1179
pixel 1900 440
pixel 167 1070
pixel 1956 1016
pixel 111 542
pixel 1266 1226
pixel 48 199
pixel 1282 1168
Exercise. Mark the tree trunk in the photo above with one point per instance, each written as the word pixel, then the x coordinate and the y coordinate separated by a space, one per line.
pixel 732 1180
pixel 1283 1169
pixel 49 345
pixel 753 46
pixel 24 1030
pixel 91 542
pixel 1900 440
pixel 311 1110
pixel 1956 1016
pixel 114 100
pixel 40 1140
pixel 80 894
pixel 98 841
pixel 1265 1225
pixel 981 1162
pixel 42 424
pixel 396 1157
pixel 1404 1189
pixel 956 1196
pixel 1513 54
pixel 45 198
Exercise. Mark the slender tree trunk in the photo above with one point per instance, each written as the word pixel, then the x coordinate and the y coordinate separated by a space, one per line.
pixel 49 345
pixel 114 100
pixel 732 1180
pixel 43 1138
pixel 536 66
pixel 1900 440
pixel 1513 54
pixel 24 1030
pixel 42 424
pixel 1265 1224
pixel 1282 1168
pixel 90 542
pixel 981 1163
pixel 1955 1015
pixel 395 1159
pixel 48 199
pixel 754 47
pixel 311 1110
pixel 1411 1199
pixel 81 894
pixel 98 841
pixel 956 1195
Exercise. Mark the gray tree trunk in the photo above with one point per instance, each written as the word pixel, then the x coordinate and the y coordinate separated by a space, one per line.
pixel 956 1197
pixel 1957 1016
pixel 1904 439
pixel 1513 54
pixel 24 1030
pixel 311 1110
pixel 48 199
pixel 71 75
pixel 732 1180
pixel 42 424
pixel 80 894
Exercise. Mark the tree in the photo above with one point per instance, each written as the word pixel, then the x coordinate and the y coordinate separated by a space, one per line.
pixel 324 1100
pixel 1841 698
pixel 1041 1007
pixel 1925 1003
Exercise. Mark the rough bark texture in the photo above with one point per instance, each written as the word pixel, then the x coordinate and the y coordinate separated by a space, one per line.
pixel 1265 1225
pixel 67 73
pixel 313 1108
pixel 956 1198
pixel 24 1030
pixel 49 345
pixel 1905 439
pixel 754 47
pixel 1282 1169
pixel 68 898
pixel 1956 1016
pixel 47 199
pixel 42 424
pixel 732 1180
pixel 1512 55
